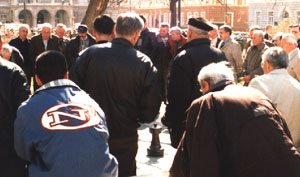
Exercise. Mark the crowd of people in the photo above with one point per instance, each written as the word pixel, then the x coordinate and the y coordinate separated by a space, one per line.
pixel 227 115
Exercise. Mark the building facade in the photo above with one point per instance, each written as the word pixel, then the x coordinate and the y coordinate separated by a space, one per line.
pixel 264 12
pixel 157 11
pixel 68 12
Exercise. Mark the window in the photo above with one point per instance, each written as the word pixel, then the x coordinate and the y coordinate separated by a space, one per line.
pixel 271 17
pixel 182 22
pixel 166 17
pixel 257 18
pixel 230 2
pixel 203 14
pixel 196 14
pixel 189 15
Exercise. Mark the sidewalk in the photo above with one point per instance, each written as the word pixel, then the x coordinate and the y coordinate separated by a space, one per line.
pixel 154 166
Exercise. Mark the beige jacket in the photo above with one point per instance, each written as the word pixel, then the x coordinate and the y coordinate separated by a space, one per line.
pixel 284 92
pixel 233 53
pixel 294 64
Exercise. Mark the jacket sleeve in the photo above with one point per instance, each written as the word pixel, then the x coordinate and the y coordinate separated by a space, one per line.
pixel 237 55
pixel 19 87
pixel 77 72
pixel 197 153
pixel 150 99
pixel 179 91
pixel 22 147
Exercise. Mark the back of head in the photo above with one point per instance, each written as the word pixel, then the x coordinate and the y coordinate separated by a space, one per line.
pixel 103 24
pixel 50 65
pixel 277 57
pixel 216 74
pixel 128 24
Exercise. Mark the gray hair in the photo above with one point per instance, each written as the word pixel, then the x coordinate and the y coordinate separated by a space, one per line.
pixel 61 25
pixel 279 34
pixel 197 30
pixel 128 24
pixel 6 49
pixel 290 39
pixel 215 73
pixel 24 26
pixel 277 57
pixel 259 33
pixel 176 29
pixel 46 25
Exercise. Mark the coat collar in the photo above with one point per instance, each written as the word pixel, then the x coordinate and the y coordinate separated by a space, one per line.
pixel 195 42
pixel 57 83
pixel 279 71
pixel 122 41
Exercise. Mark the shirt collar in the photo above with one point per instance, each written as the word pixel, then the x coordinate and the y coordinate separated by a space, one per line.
pixel 293 52
pixel 279 71
pixel 57 83
pixel 227 40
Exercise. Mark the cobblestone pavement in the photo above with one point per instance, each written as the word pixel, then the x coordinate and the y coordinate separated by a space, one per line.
pixel 154 166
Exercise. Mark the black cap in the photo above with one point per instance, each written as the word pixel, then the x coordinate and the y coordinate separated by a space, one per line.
pixel 82 28
pixel 200 23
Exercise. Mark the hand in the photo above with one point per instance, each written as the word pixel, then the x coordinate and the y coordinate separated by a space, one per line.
pixel 247 78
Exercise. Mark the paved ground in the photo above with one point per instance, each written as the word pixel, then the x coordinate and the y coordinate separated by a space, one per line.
pixel 154 166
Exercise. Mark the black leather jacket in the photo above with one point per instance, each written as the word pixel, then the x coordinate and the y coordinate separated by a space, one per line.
pixel 183 85
pixel 13 91
pixel 123 81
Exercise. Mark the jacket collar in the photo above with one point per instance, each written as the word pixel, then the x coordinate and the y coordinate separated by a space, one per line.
pixel 262 46
pixel 122 41
pixel 57 83
pixel 195 42
pixel 279 71
pixel 293 53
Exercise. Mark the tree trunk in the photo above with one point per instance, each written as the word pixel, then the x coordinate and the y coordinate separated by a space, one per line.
pixel 95 8
pixel 173 12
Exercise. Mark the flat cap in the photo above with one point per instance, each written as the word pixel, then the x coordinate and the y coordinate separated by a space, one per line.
pixel 200 23
pixel 82 28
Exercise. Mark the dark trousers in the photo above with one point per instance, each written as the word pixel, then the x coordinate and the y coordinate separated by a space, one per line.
pixel 125 150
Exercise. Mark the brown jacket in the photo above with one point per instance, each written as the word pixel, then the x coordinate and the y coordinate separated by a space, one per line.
pixel 236 132
pixel 252 63
pixel 233 53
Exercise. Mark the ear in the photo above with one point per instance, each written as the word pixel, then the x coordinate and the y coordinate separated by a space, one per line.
pixel 94 33
pixel 66 75
pixel 38 81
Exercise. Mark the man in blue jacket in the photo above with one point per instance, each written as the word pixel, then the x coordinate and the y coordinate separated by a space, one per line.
pixel 60 130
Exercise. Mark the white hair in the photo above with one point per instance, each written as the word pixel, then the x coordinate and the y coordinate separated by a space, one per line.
pixel 6 49
pixel 277 57
pixel 259 33
pixel 23 26
pixel 176 29
pixel 290 39
pixel 46 25
pixel 215 73
pixel 197 30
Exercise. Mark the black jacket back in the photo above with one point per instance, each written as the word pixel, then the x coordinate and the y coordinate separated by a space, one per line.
pixel 123 82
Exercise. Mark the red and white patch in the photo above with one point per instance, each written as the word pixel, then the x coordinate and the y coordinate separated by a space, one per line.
pixel 59 117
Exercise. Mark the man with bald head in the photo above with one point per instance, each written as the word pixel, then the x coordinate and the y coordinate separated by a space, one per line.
pixel 43 42
pixel 289 44
pixel 252 63
pixel 22 43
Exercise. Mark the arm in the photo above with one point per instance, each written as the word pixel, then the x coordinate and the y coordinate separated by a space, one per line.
pixel 237 56
pixel 77 72
pixel 179 91
pixel 150 99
